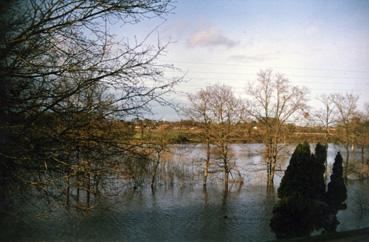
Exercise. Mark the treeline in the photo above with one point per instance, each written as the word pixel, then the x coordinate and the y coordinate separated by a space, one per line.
pixel 189 131
pixel 274 112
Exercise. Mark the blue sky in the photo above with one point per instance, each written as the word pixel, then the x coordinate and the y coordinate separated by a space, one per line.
pixel 322 45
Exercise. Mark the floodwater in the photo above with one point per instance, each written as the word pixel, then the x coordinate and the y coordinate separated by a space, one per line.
pixel 180 210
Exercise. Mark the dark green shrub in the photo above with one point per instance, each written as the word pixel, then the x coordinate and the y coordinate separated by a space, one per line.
pixel 337 193
pixel 302 207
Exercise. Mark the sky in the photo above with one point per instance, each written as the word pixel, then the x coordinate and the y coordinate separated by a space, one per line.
pixel 321 45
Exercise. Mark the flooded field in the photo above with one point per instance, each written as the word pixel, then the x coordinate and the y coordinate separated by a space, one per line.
pixel 179 209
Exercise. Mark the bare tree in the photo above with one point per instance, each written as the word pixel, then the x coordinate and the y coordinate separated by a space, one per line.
pixel 346 106
pixel 273 102
pixel 326 116
pixel 360 138
pixel 64 82
pixel 226 112
pixel 218 111
pixel 157 144
pixel 199 111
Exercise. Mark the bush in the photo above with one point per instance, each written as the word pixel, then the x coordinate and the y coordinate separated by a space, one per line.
pixel 302 207
pixel 337 193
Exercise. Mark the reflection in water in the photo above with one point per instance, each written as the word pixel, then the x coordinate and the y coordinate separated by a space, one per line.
pixel 206 196
pixel 186 214
pixel 180 209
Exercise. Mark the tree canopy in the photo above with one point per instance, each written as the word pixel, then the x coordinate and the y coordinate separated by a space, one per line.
pixel 304 204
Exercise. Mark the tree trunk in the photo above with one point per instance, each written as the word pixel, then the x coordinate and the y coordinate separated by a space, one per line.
pixel 347 161
pixel 77 176
pixel 270 154
pixel 269 172
pixel 362 161
pixel 78 191
pixel 207 161
pixel 206 196
pixel 226 178
pixel 155 171
pixel 97 182
pixel 88 190
pixel 67 202
pixel 272 171
pixel 353 148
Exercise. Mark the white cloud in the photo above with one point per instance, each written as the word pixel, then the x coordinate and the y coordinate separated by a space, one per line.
pixel 210 37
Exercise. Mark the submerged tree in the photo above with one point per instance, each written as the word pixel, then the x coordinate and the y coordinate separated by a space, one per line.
pixel 326 116
pixel 346 106
pixel 65 81
pixel 273 101
pixel 336 193
pixel 218 111
pixel 200 112
pixel 360 129
pixel 226 111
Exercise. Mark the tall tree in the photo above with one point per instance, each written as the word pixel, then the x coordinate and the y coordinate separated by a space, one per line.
pixel 336 193
pixel 326 116
pixel 319 160
pixel 218 111
pixel 360 138
pixel 199 111
pixel 297 177
pixel 64 79
pixel 226 111
pixel 273 102
pixel 346 106
pixel 301 207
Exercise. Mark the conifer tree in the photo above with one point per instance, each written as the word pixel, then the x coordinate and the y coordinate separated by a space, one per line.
pixel 318 171
pixel 301 207
pixel 297 175
pixel 337 193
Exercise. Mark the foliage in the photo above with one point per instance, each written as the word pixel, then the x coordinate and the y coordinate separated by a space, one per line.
pixel 297 216
pixel 336 193
pixel 304 175
pixel 297 178
pixel 302 206
pixel 319 159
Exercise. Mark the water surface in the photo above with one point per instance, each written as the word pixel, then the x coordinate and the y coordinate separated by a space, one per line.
pixel 179 210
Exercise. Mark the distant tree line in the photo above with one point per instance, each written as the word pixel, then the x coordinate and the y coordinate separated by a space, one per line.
pixel 275 113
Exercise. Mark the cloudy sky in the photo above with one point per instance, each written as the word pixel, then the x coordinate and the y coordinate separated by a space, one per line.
pixel 322 45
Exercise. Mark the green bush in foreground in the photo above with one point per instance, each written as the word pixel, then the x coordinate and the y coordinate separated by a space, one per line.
pixel 337 194
pixel 304 205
